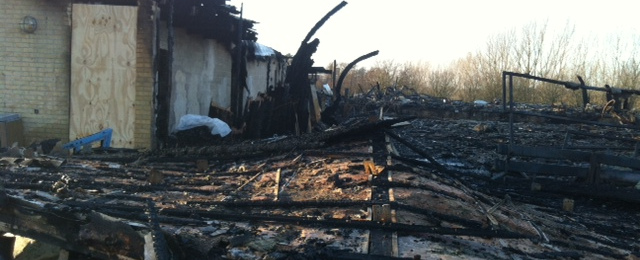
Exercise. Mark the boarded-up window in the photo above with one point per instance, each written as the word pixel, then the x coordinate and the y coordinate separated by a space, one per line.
pixel 103 72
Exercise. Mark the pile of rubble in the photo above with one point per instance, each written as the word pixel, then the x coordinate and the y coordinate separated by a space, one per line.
pixel 416 188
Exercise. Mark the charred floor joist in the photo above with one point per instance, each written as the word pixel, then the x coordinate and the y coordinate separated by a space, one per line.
pixel 292 200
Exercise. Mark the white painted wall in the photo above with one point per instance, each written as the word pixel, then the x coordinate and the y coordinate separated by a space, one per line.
pixel 202 76
pixel 256 78
pixel 264 73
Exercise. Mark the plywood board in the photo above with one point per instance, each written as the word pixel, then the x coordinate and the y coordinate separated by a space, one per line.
pixel 103 72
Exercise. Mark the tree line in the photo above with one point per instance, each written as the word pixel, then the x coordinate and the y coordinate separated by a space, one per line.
pixel 533 49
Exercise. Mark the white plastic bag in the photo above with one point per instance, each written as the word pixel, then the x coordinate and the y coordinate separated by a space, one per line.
pixel 217 126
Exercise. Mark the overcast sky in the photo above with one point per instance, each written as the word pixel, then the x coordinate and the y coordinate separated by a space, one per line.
pixel 437 32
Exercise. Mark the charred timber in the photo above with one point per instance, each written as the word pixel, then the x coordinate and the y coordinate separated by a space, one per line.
pixel 159 241
pixel 323 20
pixel 358 128
pixel 298 72
pixel 85 232
pixel 342 223
pixel 329 113
pixel 242 150
pixel 123 211
pixel 346 70
pixel 417 150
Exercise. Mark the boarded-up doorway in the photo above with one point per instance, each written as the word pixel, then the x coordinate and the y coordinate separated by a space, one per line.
pixel 103 72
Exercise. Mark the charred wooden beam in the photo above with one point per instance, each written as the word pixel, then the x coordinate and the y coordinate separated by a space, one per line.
pixel 277 204
pixel 625 177
pixel 343 74
pixel 239 72
pixel 600 191
pixel 165 91
pixel 312 221
pixel 585 95
pixel 568 119
pixel 307 141
pixel 242 150
pixel 329 113
pixel 298 72
pixel 363 128
pixel 84 232
pixel 417 150
pixel 159 242
pixel 334 155
pixel 323 20
pixel 608 137
pixel 550 153
pixel 543 169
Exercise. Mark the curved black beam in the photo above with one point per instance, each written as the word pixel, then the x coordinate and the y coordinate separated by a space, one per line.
pixel 346 70
pixel 322 21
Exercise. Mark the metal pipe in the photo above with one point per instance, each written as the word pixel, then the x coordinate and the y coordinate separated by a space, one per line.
pixel 504 91
pixel 559 82
pixel 511 110
pixel 575 120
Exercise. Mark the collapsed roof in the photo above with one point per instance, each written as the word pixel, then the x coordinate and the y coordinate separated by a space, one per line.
pixel 365 189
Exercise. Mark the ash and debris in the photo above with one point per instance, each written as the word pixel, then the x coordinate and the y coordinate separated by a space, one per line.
pixel 309 197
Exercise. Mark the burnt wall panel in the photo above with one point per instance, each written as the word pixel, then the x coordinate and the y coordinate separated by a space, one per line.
pixel 201 76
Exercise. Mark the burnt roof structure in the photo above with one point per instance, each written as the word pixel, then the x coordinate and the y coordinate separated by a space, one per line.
pixel 213 19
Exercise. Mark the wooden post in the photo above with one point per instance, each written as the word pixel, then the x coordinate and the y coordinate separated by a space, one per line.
pixel 6 247
pixel 238 77
pixel 333 74
pixel 202 165
pixel 64 255
pixel 298 72
pixel 594 169
pixel 585 98
pixel 314 112
pixel 155 177
pixel 277 191
pixel 568 205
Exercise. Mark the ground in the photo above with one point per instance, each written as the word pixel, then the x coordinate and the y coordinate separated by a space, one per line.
pixel 427 188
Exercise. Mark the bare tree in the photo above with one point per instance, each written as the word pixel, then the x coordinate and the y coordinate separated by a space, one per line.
pixel 536 49
pixel 531 50
pixel 494 59
pixel 413 75
pixel 442 83
pixel 470 82
pixel 384 73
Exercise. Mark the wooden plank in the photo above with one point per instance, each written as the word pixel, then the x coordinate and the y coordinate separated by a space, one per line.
pixel 315 110
pixel 543 169
pixel 544 152
pixel 103 72
pixel 560 170
pixel 551 153
pixel 84 233
pixel 622 161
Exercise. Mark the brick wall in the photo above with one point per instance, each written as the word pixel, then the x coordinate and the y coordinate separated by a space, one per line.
pixel 35 72
pixel 144 76
pixel 34 68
